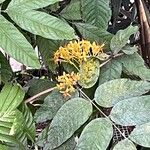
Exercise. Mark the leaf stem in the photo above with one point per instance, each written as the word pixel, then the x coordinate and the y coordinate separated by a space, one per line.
pixel 31 99
pixel 2 11
pixel 101 111
pixel 115 56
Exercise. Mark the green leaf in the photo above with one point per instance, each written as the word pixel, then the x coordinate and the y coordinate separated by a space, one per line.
pixel 17 124
pixel 93 33
pixel 129 50
pixel 38 85
pixel 134 65
pixel 124 145
pixel 68 119
pixel 1 1
pixel 5 69
pixel 89 72
pixel 110 93
pixel 42 24
pixel 11 119
pixel 121 38
pixel 96 135
pixel 29 125
pixel 72 11
pixel 3 147
pixel 30 4
pixel 10 124
pixel 141 135
pixel 103 56
pixel 96 12
pixel 16 45
pixel 112 70
pixel 69 67
pixel 54 7
pixel 144 148
pixel 12 140
pixel 40 141
pixel 11 97
pixel 68 145
pixel 133 111
pixel 47 49
pixel 51 105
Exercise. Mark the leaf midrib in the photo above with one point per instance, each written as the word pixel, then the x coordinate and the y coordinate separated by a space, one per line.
pixel 18 4
pixel 41 23
pixel 15 43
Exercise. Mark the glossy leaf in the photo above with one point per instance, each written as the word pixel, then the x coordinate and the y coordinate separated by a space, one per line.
pixel 16 45
pixel 103 56
pixel 141 135
pixel 38 85
pixel 11 119
pixel 129 50
pixel 96 12
pixel 10 96
pixel 89 73
pixel 96 135
pixel 30 4
pixel 12 140
pixel 3 147
pixel 54 7
pixel 68 145
pixel 51 105
pixel 124 145
pixel 68 119
pixel 133 111
pixel 40 141
pixel 47 49
pixel 134 65
pixel 93 33
pixel 110 93
pixel 112 70
pixel 69 67
pixel 121 38
pixel 1 1
pixel 42 24
pixel 29 125
pixel 72 11
pixel 5 69
pixel 9 123
pixel 17 128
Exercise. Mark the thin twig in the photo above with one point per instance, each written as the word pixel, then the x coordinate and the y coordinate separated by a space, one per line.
pixel 104 63
pixel 102 112
pixel 108 60
pixel 31 99
pixel 2 11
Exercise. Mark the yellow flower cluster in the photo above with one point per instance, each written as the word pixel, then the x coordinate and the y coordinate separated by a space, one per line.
pixel 77 51
pixel 67 83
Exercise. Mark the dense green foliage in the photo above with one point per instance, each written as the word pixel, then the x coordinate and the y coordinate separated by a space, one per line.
pixel 113 88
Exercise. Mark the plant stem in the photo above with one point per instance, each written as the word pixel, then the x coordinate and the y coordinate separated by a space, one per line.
pixel 108 60
pixel 31 99
pixel 101 112
pixel 2 11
